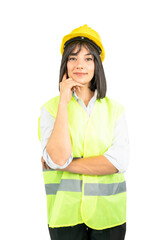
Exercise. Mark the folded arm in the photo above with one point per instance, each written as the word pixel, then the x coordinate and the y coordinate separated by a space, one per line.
pixel 115 159
pixel 98 165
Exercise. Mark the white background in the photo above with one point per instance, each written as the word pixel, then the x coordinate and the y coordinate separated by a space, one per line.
pixel 134 34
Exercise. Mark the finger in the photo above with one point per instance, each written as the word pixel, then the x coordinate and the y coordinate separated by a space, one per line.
pixel 71 80
pixel 74 83
pixel 43 165
pixel 47 167
pixel 78 84
pixel 78 88
pixel 73 89
pixel 64 77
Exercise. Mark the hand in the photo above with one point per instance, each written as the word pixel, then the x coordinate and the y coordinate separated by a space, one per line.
pixel 66 87
pixel 45 166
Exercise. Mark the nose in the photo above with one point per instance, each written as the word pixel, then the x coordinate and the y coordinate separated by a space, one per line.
pixel 79 64
pixel 79 67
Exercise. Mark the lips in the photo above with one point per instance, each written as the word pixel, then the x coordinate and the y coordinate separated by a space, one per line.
pixel 80 74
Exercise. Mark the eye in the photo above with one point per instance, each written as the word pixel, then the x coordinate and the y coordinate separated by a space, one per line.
pixel 89 59
pixel 71 59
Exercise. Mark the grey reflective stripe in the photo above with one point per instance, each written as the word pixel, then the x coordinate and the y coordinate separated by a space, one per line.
pixel 103 189
pixel 70 185
pixel 90 189
pixel 51 189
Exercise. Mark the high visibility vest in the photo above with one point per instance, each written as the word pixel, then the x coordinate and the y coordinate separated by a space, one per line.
pixel 97 201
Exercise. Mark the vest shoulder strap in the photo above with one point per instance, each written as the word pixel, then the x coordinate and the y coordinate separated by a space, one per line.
pixel 116 107
pixel 52 105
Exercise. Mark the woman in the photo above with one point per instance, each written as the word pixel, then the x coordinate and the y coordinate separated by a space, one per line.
pixel 85 147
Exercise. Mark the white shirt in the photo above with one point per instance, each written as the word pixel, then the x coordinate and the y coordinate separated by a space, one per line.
pixel 117 154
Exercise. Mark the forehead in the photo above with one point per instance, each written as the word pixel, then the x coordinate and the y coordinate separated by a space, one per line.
pixel 81 49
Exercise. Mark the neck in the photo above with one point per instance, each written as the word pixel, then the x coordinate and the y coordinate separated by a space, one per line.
pixel 85 94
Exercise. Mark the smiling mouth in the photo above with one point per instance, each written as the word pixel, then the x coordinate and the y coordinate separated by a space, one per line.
pixel 80 74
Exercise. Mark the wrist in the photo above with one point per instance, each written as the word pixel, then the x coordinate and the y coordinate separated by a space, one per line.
pixel 62 102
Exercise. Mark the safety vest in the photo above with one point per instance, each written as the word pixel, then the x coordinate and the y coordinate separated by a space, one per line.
pixel 97 201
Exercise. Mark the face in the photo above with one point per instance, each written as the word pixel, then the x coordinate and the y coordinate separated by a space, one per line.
pixel 81 67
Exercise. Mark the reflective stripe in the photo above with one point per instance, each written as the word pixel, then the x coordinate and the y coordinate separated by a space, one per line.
pixel 90 189
pixel 51 189
pixel 69 185
pixel 103 189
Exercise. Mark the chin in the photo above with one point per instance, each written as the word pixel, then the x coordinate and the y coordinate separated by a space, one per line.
pixel 85 78
pixel 79 79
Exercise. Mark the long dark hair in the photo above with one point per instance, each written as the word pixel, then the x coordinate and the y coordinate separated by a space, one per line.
pixel 99 80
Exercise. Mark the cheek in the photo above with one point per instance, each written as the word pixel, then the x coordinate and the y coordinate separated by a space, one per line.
pixel 92 70
pixel 68 69
pixel 70 66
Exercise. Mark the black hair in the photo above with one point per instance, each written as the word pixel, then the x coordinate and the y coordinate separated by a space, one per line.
pixel 99 80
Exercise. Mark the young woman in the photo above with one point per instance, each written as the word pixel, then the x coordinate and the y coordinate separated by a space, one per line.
pixel 85 147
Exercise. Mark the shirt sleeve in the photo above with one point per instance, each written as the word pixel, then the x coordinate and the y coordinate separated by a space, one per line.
pixel 118 153
pixel 46 125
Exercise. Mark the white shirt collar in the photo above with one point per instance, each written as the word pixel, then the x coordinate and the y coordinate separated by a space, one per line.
pixel 77 98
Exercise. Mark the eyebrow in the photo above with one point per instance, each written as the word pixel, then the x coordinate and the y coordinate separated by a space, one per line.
pixel 74 54
pixel 88 54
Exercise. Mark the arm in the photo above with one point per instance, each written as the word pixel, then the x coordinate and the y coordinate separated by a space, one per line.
pixel 59 144
pixel 98 165
pixel 46 126
pixel 118 153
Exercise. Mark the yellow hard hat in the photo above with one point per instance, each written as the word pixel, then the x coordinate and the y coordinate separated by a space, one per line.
pixel 84 32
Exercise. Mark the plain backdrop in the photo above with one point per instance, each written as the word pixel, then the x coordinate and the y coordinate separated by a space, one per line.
pixel 134 35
